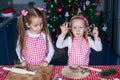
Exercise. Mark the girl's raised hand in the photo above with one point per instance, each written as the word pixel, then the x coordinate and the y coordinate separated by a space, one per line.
pixel 64 28
pixel 95 32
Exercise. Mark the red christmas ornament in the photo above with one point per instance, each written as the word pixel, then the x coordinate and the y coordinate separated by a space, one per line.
pixel 73 10
pixel 98 13
pixel 99 2
pixel 59 9
pixel 118 75
pixel 48 0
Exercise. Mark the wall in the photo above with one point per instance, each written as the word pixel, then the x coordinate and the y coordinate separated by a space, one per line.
pixel 5 4
pixel 37 2
pixel 23 4
pixel 116 27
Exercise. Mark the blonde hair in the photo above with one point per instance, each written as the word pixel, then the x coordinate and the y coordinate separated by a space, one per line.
pixel 85 35
pixel 32 12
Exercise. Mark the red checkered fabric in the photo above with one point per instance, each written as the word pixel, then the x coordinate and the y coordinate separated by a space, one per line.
pixel 79 52
pixel 3 73
pixel 35 51
pixel 93 75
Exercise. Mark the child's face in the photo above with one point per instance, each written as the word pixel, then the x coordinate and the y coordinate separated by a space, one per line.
pixel 78 28
pixel 36 25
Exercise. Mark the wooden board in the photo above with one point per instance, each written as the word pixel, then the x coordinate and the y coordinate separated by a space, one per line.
pixel 67 72
pixel 43 73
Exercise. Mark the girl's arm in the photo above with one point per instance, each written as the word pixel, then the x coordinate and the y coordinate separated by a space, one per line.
pixel 50 51
pixel 61 42
pixel 18 51
pixel 96 45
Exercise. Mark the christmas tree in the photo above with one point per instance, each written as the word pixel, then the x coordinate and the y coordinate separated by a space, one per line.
pixel 59 11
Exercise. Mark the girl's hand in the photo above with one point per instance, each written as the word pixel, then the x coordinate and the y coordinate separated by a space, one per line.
pixel 64 28
pixel 45 63
pixel 95 32
pixel 23 63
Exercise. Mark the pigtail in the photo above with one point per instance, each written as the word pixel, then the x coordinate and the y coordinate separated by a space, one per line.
pixel 45 29
pixel 21 33
pixel 26 17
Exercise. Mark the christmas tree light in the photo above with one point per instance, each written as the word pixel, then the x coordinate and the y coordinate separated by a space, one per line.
pixel 60 11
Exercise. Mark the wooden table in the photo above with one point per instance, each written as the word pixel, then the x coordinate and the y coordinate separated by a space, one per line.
pixel 43 73
pixel 57 69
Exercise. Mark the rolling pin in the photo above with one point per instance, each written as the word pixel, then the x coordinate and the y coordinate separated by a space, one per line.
pixel 18 70
pixel 93 69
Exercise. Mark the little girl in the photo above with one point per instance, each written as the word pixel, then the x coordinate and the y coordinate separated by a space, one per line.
pixel 78 42
pixel 34 46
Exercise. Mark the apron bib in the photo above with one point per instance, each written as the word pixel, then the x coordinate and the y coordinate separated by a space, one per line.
pixel 79 52
pixel 36 50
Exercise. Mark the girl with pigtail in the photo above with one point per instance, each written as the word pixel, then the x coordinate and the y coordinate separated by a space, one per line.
pixel 34 45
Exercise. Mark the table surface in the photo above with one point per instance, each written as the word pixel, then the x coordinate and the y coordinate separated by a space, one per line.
pixel 57 69
pixel 93 75
pixel 3 73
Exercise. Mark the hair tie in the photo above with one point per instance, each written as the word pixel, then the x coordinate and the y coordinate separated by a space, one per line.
pixel 84 18
pixel 24 12
pixel 40 8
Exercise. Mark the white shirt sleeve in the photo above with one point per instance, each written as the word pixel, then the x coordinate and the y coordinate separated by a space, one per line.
pixel 62 43
pixel 96 45
pixel 18 51
pixel 50 49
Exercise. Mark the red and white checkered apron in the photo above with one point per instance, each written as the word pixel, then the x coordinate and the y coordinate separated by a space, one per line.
pixel 35 51
pixel 79 52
